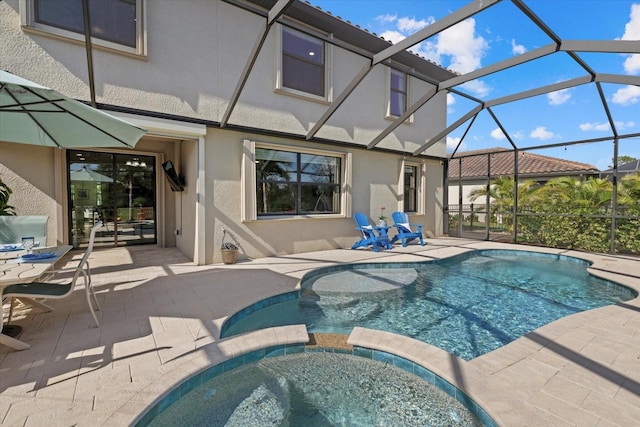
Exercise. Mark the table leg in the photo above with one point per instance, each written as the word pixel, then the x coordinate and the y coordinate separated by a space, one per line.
pixel 12 342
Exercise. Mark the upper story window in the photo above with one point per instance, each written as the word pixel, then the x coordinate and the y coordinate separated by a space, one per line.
pixel 397 93
pixel 295 183
pixel 115 24
pixel 303 64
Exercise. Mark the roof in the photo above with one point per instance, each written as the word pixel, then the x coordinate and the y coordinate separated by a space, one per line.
pixel 625 168
pixel 474 164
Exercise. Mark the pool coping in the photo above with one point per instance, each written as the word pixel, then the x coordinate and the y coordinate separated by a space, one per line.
pixel 404 353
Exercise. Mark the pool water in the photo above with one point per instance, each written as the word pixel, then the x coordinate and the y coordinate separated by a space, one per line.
pixel 468 305
pixel 316 389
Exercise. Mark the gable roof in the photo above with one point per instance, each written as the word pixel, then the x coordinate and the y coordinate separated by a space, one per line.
pixel 474 164
pixel 625 168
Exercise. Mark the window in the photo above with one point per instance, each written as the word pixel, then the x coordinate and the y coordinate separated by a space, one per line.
pixel 291 183
pixel 284 181
pixel 397 93
pixel 410 188
pixel 303 63
pixel 115 24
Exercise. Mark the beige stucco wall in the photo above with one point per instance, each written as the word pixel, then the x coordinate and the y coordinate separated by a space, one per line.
pixel 375 184
pixel 30 173
pixel 196 53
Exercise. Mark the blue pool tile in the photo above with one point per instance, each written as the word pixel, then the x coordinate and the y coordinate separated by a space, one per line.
pixel 363 352
pixel 212 372
pixel 254 356
pixel 294 349
pixel 403 363
pixel 445 386
pixel 425 374
pixel 233 363
pixel 190 384
pixel 274 351
pixel 383 357
pixel 169 399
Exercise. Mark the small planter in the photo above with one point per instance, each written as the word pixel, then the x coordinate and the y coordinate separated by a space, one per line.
pixel 229 256
pixel 382 223
pixel 229 253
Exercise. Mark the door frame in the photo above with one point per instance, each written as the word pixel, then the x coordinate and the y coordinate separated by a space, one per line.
pixel 63 218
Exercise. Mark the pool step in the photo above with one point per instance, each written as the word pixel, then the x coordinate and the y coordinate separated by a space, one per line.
pixel 338 341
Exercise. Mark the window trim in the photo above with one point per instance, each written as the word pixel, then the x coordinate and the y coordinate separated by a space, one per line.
pixel 29 24
pixel 248 191
pixel 421 182
pixel 408 94
pixel 279 86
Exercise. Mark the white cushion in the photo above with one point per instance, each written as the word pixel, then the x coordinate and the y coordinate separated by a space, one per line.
pixel 404 226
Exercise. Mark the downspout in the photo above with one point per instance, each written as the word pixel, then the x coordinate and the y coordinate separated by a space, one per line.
pixel 515 195
pixel 487 203
pixel 614 197
pixel 87 44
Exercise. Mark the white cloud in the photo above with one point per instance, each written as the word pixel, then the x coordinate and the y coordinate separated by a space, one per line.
pixel 478 87
pixel 632 32
pixel 393 36
pixel 517 49
pixel 461 44
pixel 632 28
pixel 498 134
pixel 605 126
pixel 519 135
pixel 452 143
pixel 559 97
pixel 385 19
pixel 450 99
pixel 411 25
pixel 541 132
pixel 628 95
pixel 632 64
pixel 595 126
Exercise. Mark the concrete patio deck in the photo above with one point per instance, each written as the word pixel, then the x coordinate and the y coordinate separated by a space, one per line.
pixel 161 317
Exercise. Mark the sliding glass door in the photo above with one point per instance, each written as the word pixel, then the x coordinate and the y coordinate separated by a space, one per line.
pixel 117 189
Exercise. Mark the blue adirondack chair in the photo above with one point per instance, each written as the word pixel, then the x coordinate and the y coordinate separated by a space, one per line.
pixel 369 235
pixel 405 232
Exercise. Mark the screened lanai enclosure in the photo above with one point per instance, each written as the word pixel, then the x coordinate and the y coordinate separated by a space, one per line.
pixel 562 65
pixel 569 63
pixel 565 65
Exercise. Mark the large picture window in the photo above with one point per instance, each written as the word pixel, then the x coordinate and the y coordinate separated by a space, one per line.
pixel 303 63
pixel 115 24
pixel 295 183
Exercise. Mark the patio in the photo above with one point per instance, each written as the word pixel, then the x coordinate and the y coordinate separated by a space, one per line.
pixel 161 316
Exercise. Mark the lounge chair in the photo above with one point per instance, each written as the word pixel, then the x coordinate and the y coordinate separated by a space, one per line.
pixel 47 290
pixel 405 232
pixel 369 235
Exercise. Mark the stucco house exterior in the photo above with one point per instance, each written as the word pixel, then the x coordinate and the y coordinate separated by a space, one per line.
pixel 272 112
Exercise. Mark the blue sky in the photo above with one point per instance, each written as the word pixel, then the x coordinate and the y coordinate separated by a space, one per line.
pixel 503 31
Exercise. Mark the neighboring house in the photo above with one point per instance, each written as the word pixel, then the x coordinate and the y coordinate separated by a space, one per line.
pixel 249 121
pixel 623 169
pixel 479 166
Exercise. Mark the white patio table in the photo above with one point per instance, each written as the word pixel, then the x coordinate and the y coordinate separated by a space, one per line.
pixel 14 270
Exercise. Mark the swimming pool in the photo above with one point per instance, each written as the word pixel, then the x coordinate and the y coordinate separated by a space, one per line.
pixel 468 305
pixel 319 389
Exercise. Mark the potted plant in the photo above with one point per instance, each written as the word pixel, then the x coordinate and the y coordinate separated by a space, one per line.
pixel 5 207
pixel 229 252
pixel 382 219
